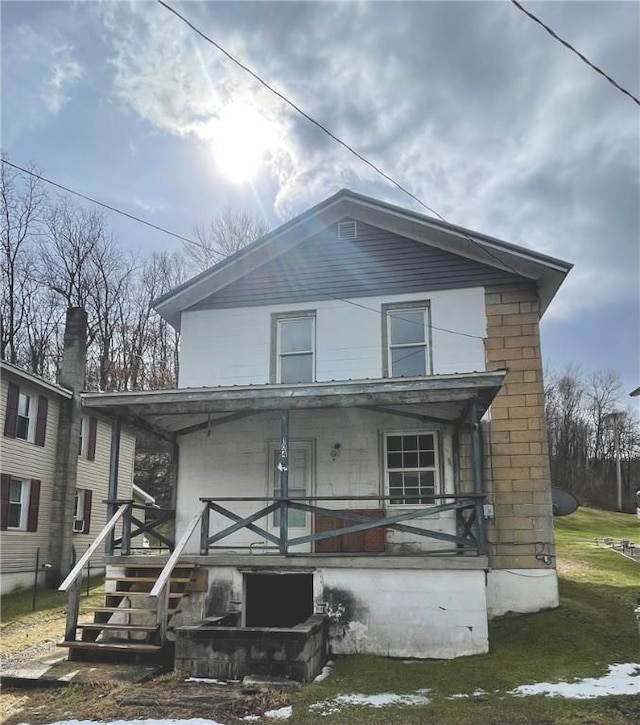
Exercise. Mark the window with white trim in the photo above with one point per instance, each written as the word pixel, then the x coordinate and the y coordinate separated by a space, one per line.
pixel 406 340
pixel 24 422
pixel 295 348
pixel 84 438
pixel 18 504
pixel 411 468
pixel 78 516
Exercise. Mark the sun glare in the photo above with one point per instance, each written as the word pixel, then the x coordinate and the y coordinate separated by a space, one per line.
pixel 241 139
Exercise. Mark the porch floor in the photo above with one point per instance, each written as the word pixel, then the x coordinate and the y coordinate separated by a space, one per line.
pixel 469 561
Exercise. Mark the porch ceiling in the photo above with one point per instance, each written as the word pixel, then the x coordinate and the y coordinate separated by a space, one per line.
pixel 444 398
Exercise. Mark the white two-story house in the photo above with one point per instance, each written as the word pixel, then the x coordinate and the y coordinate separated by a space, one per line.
pixel 360 430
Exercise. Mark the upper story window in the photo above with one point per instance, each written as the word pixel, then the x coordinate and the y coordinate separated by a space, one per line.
pixel 26 415
pixel 411 469
pixel 406 340
pixel 87 439
pixel 293 347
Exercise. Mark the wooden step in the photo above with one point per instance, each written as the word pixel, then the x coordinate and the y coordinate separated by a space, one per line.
pixel 172 595
pixel 124 647
pixel 128 610
pixel 145 579
pixel 117 627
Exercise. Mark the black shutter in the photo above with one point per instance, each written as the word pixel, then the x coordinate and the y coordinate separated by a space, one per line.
pixel 5 485
pixel 86 514
pixel 91 447
pixel 11 417
pixel 34 505
pixel 41 421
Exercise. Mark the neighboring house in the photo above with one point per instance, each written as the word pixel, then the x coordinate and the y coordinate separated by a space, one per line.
pixel 37 431
pixel 333 375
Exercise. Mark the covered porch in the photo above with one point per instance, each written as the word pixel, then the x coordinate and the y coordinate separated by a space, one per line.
pixel 241 454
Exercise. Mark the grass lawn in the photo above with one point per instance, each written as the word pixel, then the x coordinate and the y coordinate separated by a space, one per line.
pixel 593 627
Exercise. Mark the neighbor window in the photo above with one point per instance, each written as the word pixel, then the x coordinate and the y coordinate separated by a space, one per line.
pixel 405 338
pixel 24 413
pixel 411 468
pixel 294 347
pixel 82 513
pixel 18 504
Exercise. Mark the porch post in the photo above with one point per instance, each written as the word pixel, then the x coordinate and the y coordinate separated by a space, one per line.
pixel 478 478
pixel 114 464
pixel 283 467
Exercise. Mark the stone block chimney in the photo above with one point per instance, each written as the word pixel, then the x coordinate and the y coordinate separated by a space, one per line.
pixel 72 377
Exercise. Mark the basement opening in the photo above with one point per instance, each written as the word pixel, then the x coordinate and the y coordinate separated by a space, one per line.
pixel 278 600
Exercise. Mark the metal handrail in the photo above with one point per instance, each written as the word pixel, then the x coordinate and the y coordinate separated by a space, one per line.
pixel 165 574
pixel 84 559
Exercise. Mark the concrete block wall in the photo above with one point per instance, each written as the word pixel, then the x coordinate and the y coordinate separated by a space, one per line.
pixel 519 478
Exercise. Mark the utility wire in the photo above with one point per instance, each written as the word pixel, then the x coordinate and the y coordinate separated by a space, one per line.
pixel 582 57
pixel 109 207
pixel 329 133
pixel 209 249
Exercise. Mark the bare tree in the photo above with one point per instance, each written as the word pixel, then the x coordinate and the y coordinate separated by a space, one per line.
pixel 226 234
pixel 23 204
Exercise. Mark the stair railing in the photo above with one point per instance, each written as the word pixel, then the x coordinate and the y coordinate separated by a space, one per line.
pixel 161 589
pixel 73 582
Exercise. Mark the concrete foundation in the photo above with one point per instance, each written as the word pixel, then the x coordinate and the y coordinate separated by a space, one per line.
pixel 231 652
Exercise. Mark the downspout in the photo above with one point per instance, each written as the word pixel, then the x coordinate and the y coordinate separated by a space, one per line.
pixel 478 477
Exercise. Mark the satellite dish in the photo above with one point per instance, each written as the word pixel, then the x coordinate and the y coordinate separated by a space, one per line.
pixel 563 502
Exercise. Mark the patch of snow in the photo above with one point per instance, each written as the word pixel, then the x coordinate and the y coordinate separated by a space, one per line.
pixel 326 671
pixel 330 707
pixel 251 718
pixel 283 713
pixel 205 680
pixel 463 695
pixel 620 680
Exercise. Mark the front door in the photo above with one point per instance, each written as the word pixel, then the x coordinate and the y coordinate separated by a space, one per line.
pixel 300 484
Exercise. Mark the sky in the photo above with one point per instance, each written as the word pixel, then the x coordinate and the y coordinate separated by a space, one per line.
pixel 470 105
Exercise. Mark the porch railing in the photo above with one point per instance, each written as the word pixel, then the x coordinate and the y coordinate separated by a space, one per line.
pixel 468 509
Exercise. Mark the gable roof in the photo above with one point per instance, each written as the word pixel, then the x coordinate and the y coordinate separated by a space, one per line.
pixel 34 380
pixel 547 272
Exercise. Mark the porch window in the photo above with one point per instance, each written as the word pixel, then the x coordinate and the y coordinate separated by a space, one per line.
pixel 411 468
pixel 18 503
pixel 405 338
pixel 294 347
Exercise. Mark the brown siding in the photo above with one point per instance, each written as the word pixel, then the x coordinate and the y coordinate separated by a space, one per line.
pixel 521 486
pixel 374 263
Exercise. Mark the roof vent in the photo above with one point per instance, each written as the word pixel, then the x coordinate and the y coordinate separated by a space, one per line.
pixel 348 230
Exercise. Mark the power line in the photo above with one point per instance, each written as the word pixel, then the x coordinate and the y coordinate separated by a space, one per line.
pixel 109 207
pixel 324 129
pixel 582 57
pixel 390 313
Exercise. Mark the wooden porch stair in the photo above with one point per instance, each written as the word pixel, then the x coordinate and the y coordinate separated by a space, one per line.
pixel 126 627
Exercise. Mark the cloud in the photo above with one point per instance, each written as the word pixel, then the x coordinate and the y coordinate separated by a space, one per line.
pixel 470 105
pixel 49 73
pixel 65 73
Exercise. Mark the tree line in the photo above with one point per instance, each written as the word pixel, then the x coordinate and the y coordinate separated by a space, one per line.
pixel 56 254
pixel 585 413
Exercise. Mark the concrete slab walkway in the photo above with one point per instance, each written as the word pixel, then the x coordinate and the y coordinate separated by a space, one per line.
pixel 53 669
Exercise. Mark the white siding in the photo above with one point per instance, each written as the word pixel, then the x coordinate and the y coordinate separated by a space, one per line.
pixel 233 461
pixel 232 346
